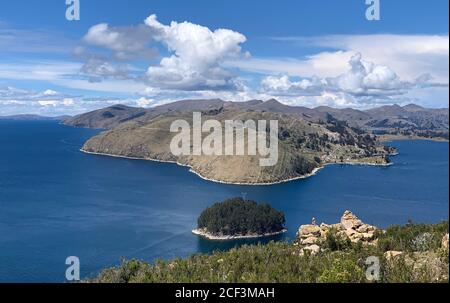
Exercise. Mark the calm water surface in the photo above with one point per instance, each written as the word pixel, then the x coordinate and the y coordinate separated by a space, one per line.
pixel 57 202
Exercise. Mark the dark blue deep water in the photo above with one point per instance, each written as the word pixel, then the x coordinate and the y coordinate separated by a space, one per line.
pixel 57 202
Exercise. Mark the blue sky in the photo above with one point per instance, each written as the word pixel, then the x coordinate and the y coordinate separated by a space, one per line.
pixel 310 53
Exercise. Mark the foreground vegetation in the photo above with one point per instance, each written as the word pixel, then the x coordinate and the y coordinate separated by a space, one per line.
pixel 423 260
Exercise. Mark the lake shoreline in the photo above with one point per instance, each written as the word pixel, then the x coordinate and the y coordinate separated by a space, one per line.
pixel 390 138
pixel 203 233
pixel 191 170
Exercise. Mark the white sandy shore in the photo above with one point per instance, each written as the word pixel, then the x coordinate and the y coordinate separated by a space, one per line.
pixel 205 234
pixel 313 173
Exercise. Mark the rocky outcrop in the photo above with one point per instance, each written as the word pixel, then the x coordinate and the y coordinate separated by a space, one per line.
pixel 350 221
pixel 356 230
pixel 311 237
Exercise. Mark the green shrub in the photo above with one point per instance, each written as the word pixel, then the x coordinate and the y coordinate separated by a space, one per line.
pixel 343 270
pixel 412 237
pixel 341 262
pixel 334 241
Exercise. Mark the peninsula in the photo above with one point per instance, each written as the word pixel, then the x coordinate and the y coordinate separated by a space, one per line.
pixel 309 139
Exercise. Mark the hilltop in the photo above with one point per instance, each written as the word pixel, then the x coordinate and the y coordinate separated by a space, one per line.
pixel 34 118
pixel 406 120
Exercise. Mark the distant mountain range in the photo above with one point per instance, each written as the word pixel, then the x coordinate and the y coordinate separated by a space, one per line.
pixel 409 120
pixel 33 118
pixel 308 138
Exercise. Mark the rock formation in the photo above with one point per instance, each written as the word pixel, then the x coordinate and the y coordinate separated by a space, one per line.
pixel 310 237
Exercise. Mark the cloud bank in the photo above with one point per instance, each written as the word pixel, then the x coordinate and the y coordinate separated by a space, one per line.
pixel 363 83
pixel 156 62
pixel 362 79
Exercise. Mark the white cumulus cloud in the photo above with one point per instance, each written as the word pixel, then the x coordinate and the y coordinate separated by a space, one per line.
pixel 364 83
pixel 126 42
pixel 196 56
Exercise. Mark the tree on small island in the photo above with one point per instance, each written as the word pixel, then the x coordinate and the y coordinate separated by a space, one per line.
pixel 239 217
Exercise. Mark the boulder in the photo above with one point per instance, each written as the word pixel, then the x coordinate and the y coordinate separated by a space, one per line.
pixel 363 228
pixel 355 238
pixel 325 227
pixel 350 232
pixel 307 231
pixel 350 221
pixel 368 236
pixel 310 241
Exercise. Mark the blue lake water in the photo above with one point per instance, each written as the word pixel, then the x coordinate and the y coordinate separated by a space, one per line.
pixel 57 202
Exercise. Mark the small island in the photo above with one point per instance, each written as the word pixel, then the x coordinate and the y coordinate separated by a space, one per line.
pixel 240 219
